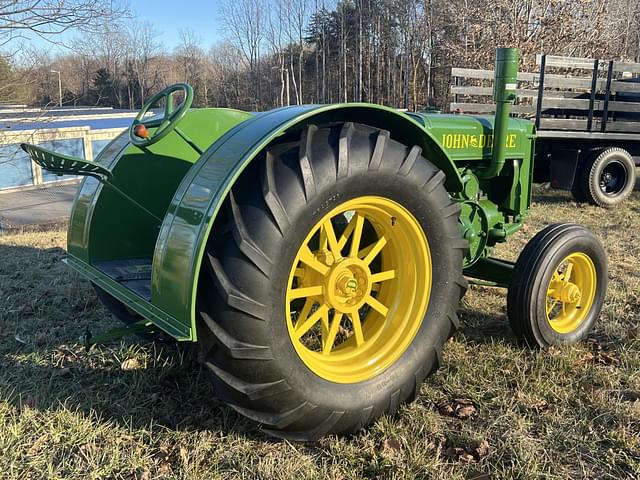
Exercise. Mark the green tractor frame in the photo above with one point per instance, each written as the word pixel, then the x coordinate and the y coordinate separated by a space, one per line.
pixel 318 253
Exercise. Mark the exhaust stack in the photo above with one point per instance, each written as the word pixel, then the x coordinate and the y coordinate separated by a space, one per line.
pixel 504 94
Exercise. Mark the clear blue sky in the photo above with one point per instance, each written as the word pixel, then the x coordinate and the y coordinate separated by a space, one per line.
pixel 168 17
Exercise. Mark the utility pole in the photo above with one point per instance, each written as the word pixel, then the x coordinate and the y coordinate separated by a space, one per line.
pixel 59 85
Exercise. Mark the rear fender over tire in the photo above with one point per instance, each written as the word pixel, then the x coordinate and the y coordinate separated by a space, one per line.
pixel 180 247
pixel 242 298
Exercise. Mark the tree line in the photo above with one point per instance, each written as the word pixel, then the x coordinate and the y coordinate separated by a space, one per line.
pixel 276 52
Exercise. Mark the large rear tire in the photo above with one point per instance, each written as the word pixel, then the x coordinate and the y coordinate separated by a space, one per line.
pixel 331 281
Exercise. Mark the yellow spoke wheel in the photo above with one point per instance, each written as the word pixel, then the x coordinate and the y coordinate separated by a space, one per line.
pixel 558 286
pixel 358 289
pixel 571 292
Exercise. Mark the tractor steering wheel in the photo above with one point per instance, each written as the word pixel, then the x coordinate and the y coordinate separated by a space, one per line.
pixel 138 133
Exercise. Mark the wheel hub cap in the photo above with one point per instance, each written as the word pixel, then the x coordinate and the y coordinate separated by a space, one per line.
pixel 613 178
pixel 347 285
pixel 571 292
pixel 566 292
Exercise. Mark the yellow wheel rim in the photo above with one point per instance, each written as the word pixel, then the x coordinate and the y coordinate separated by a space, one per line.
pixel 358 289
pixel 571 292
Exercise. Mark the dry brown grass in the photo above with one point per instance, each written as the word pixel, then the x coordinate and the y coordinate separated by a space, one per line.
pixel 568 413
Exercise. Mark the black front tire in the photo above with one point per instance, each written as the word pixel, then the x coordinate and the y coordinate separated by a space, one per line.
pixel 528 292
pixel 241 296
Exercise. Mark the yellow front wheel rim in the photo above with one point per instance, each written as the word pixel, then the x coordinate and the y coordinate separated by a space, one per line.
pixel 571 292
pixel 358 289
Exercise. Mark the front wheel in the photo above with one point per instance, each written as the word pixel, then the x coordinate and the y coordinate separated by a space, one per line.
pixel 558 286
pixel 328 293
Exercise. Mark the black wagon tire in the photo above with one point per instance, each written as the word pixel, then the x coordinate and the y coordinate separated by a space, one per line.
pixel 609 177
pixel 558 286
pixel 245 288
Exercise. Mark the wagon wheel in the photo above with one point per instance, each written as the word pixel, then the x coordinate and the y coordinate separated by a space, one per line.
pixel 609 177
pixel 327 294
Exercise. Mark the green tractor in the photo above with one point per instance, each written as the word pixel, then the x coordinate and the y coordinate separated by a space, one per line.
pixel 318 253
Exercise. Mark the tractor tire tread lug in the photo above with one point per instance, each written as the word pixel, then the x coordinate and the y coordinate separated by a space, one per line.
pixel 435 181
pixel 233 347
pixel 378 150
pixel 244 241
pixel 306 166
pixel 271 197
pixel 343 149
pixel 312 434
pixel 252 391
pixel 410 160
pixel 232 295
pixel 277 420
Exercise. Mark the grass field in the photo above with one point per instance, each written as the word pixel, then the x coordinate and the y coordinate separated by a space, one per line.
pixel 139 410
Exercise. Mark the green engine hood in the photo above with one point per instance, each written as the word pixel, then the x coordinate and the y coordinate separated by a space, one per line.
pixel 467 137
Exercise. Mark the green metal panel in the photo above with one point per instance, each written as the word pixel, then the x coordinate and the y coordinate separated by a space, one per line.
pixel 104 226
pixel 130 299
pixel 186 227
pixel 470 138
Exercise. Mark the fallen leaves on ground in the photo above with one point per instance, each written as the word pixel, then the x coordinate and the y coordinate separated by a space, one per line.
pixel 390 448
pixel 165 457
pixel 130 364
pixel 467 454
pixel 461 408
pixel 38 444
pixel 540 406
pixel 600 354
pixel 535 404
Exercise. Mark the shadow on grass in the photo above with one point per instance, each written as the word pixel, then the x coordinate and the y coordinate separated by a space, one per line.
pixel 45 308
pixel 482 328
pixel 176 397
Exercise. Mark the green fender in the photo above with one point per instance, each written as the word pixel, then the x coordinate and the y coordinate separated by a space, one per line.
pixel 186 227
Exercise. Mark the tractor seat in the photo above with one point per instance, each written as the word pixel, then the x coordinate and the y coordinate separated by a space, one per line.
pixel 61 164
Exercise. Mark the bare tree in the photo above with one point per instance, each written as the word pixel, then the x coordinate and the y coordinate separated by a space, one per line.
pixel 143 49
pixel 244 21
pixel 49 18
pixel 190 60
pixel 299 16
pixel 279 52
pixel 275 37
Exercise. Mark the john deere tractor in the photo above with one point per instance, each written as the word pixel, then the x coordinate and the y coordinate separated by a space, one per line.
pixel 318 253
